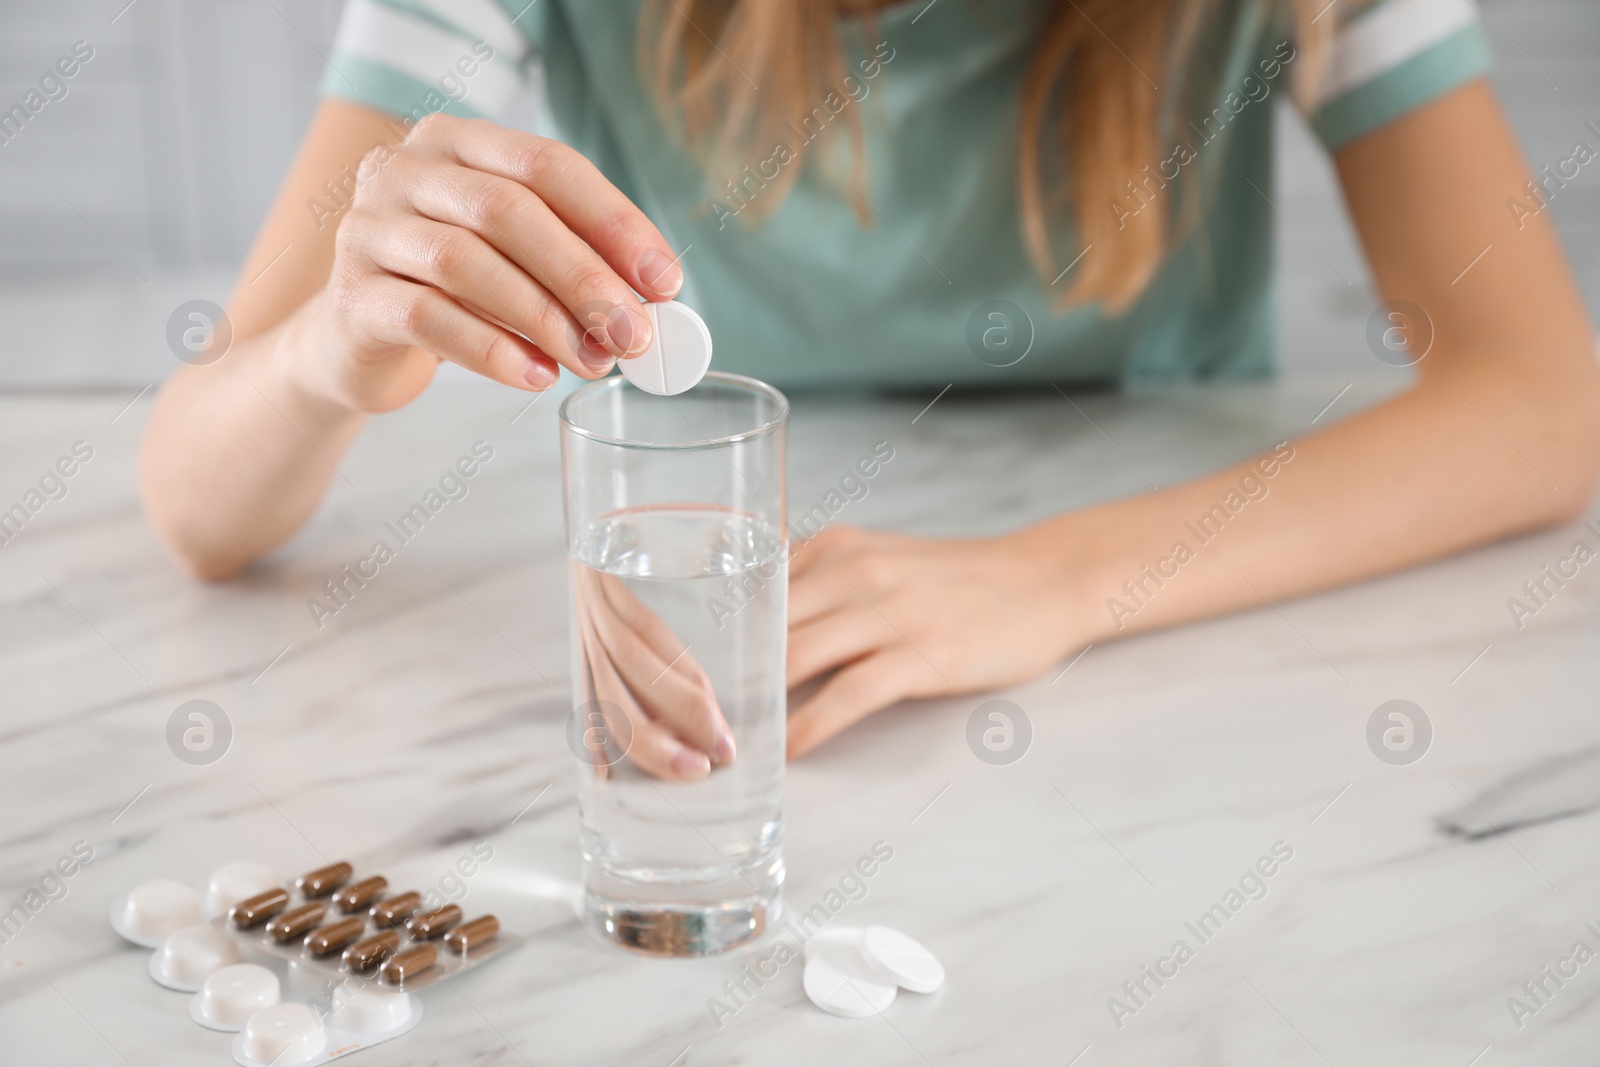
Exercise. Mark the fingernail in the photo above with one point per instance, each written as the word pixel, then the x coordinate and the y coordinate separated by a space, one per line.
pixel 690 763
pixel 538 375
pixel 593 359
pixel 725 748
pixel 661 273
pixel 628 330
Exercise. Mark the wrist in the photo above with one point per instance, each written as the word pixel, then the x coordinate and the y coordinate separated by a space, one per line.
pixel 1058 554
pixel 290 378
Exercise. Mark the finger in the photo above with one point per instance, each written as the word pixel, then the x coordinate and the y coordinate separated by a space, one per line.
pixel 819 592
pixel 660 674
pixel 824 546
pixel 401 312
pixel 579 194
pixel 671 688
pixel 833 640
pixel 679 664
pixel 803 556
pixel 527 231
pixel 657 752
pixel 469 269
pixel 651 747
pixel 852 695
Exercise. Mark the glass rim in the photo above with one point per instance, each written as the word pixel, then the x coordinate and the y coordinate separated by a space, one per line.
pixel 738 381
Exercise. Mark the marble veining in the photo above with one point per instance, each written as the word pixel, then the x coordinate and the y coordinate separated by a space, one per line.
pixel 427 716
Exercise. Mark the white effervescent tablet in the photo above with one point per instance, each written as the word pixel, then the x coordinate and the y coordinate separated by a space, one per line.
pixel 824 940
pixel 154 909
pixel 283 1035
pixel 233 882
pixel 839 980
pixel 230 996
pixel 902 958
pixel 188 956
pixel 679 354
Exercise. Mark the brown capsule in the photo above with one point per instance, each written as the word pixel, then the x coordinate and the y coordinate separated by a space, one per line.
pixel 357 896
pixel 363 956
pixel 296 923
pixel 431 924
pixel 334 936
pixel 469 936
pixel 324 880
pixel 410 963
pixel 259 908
pixel 395 910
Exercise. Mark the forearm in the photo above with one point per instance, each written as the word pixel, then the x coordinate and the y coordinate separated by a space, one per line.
pixel 1456 461
pixel 237 455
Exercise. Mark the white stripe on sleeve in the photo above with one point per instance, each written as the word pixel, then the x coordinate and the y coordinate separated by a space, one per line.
pixel 427 52
pixel 1376 43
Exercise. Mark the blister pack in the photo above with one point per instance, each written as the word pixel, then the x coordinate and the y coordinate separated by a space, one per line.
pixel 369 950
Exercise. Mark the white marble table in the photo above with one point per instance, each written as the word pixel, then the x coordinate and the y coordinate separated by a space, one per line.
pixel 427 715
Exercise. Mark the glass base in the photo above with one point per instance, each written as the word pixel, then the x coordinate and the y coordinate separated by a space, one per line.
pixel 680 930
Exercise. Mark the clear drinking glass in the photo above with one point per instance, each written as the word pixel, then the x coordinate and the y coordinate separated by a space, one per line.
pixel 677 537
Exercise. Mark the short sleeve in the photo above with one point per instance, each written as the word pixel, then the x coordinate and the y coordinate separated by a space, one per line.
pixel 1393 56
pixel 413 57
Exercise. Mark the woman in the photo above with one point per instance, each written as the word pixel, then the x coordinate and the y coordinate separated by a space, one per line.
pixel 844 183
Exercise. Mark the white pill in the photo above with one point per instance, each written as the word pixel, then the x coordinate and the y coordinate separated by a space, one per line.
pixel 839 980
pixel 188 956
pixel 372 1011
pixel 839 935
pixel 155 909
pixel 679 352
pixel 283 1035
pixel 233 882
pixel 231 995
pixel 902 958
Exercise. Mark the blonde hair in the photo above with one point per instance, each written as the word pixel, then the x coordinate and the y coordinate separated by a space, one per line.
pixel 1092 68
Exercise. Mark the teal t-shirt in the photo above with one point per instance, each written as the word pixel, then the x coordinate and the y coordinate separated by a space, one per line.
pixel 937 289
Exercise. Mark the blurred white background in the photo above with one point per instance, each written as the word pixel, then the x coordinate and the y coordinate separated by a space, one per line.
pixel 143 186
